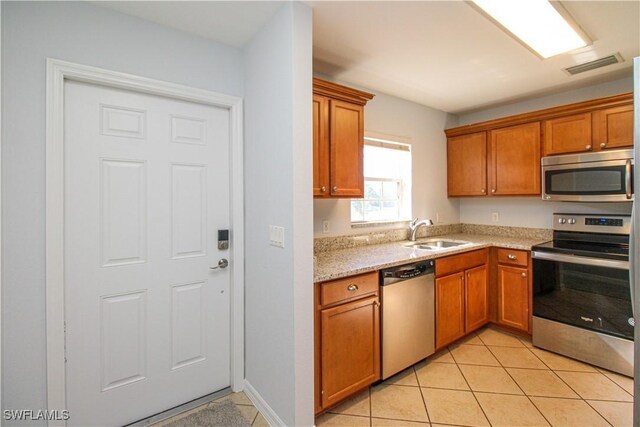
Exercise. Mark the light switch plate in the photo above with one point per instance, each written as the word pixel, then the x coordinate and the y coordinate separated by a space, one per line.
pixel 495 216
pixel 276 236
pixel 325 226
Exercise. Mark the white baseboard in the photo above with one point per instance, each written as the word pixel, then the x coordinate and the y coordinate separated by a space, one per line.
pixel 269 414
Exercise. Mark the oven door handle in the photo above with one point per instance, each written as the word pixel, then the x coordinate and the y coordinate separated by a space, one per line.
pixel 575 259
pixel 628 175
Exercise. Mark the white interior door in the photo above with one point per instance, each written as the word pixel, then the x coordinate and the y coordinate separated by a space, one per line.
pixel 146 189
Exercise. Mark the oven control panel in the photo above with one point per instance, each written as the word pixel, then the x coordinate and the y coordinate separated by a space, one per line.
pixel 606 222
pixel 592 223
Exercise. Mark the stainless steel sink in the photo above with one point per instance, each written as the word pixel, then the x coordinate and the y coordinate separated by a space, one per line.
pixel 435 245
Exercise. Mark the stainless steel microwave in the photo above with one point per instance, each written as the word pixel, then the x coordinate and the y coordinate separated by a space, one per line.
pixel 606 176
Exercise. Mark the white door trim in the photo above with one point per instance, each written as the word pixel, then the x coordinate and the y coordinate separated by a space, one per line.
pixel 59 71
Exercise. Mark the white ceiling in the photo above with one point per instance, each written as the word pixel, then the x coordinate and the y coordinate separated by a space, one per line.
pixel 443 54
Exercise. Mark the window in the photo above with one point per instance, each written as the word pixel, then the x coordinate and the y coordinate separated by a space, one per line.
pixel 387 183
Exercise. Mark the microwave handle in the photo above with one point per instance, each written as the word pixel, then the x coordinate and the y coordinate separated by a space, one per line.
pixel 628 179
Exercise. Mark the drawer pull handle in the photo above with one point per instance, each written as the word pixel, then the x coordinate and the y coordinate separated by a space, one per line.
pixel 352 288
pixel 512 257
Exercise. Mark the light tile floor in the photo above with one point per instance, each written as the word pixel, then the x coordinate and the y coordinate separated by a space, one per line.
pixel 492 378
pixel 242 402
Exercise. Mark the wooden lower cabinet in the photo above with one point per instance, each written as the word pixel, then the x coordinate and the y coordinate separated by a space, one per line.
pixel 462 297
pixel 347 338
pixel 476 298
pixel 513 297
pixel 449 308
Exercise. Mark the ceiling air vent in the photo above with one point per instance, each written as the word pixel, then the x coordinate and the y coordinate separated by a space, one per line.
pixel 592 65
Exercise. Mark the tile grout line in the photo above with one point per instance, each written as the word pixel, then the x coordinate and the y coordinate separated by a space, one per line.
pixel 598 412
pixel 370 408
pixel 424 402
pixel 521 389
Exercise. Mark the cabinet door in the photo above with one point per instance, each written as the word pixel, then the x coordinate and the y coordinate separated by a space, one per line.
pixel 569 134
pixel 350 348
pixel 320 146
pixel 513 297
pixel 449 308
pixel 467 165
pixel 515 160
pixel 346 149
pixel 476 298
pixel 613 127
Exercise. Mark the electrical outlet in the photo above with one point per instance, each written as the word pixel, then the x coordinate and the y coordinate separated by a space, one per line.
pixel 438 218
pixel 276 236
pixel 495 216
pixel 325 226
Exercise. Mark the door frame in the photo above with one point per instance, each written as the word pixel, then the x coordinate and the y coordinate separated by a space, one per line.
pixel 57 73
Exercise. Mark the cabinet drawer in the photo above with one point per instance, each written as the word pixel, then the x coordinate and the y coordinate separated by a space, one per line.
pixel 513 257
pixel 460 262
pixel 348 288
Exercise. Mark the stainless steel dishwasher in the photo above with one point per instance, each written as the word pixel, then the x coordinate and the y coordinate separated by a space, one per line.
pixel 408 315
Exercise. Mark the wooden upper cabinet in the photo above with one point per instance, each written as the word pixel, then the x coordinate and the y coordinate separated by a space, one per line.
pixel 582 127
pixel 320 146
pixel 515 160
pixel 613 127
pixel 346 148
pixel 568 134
pixel 477 298
pixel 338 140
pixel 467 165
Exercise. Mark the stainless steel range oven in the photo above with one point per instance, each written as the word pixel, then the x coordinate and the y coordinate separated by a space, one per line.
pixel 581 291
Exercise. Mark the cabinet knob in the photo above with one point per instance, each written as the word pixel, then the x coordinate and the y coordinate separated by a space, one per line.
pixel 493 190
pixel 512 257
pixel 483 191
pixel 323 189
pixel 352 287
pixel 334 189
pixel 376 303
pixel 588 147
pixel 603 144
pixel 524 274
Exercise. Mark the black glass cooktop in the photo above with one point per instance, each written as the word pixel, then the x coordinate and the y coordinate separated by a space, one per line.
pixel 584 244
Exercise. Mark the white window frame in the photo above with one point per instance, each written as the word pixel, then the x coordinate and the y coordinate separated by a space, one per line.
pixel 391 143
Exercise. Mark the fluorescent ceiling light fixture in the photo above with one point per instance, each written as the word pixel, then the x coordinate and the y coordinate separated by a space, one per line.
pixel 536 23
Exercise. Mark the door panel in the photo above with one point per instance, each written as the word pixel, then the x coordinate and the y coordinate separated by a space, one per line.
pixel 346 150
pixel 568 134
pixel 320 146
pixel 467 165
pixel 146 186
pixel 515 160
pixel 513 297
pixel 476 301
pixel 350 348
pixel 449 308
pixel 613 127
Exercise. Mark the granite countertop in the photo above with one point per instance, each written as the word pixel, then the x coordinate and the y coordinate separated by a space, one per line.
pixel 348 262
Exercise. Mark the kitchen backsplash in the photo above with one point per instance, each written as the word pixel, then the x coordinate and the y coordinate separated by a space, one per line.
pixel 324 244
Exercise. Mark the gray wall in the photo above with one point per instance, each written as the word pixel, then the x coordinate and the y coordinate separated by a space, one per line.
pixel 279 283
pixel 87 34
pixel 534 212
pixel 423 128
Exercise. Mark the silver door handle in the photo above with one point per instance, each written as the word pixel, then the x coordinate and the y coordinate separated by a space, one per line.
pixel 223 263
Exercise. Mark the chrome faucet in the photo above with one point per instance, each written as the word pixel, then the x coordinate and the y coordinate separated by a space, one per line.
pixel 414 225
